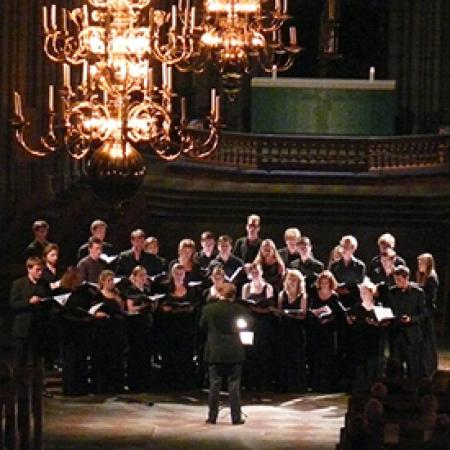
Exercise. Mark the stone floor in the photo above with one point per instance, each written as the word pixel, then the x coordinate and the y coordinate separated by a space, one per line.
pixel 171 422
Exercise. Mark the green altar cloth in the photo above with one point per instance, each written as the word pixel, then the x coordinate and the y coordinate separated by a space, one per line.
pixel 322 106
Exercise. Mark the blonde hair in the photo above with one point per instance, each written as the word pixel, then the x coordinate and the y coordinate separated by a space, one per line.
pixel 349 239
pixel 367 284
pixel 260 258
pixel 104 275
pixel 335 255
pixel 186 243
pixel 300 280
pixel 292 233
pixel 388 239
pixel 254 218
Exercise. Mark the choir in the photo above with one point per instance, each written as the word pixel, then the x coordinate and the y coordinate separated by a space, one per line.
pixel 129 320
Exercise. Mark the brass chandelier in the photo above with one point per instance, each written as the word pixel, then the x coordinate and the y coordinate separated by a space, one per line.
pixel 111 53
pixel 240 34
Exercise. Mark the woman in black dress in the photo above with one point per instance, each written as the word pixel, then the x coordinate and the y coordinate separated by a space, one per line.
pixel 292 309
pixel 76 328
pixel 428 280
pixel 108 337
pixel 138 325
pixel 178 329
pixel 211 294
pixel 272 264
pixel 322 336
pixel 53 331
pixel 258 295
pixel 366 335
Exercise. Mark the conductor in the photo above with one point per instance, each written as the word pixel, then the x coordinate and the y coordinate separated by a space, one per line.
pixel 224 352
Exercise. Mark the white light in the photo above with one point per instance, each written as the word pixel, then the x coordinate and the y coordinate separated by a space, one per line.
pixel 241 323
pixel 243 6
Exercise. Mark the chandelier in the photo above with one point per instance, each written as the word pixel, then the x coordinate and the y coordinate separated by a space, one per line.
pixel 110 105
pixel 238 34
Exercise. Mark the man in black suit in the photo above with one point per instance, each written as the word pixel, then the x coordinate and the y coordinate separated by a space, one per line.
pixel 407 301
pixel 26 301
pixel 224 351
pixel 136 256
pixel 246 248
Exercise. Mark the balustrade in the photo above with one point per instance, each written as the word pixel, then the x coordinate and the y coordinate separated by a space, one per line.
pixel 342 154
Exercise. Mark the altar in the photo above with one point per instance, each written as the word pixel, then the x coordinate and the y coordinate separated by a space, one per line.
pixel 323 106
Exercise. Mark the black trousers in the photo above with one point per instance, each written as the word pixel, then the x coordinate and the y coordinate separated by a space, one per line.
pixel 410 354
pixel 232 373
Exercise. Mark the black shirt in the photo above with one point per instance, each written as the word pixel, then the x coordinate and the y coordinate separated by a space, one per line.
pixel 351 274
pixel 246 250
pixel 309 267
pixel 127 262
pixel 288 257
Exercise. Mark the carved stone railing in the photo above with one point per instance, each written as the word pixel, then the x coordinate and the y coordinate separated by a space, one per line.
pixel 346 154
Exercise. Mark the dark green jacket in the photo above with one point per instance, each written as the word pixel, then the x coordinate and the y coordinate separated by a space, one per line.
pixel 218 321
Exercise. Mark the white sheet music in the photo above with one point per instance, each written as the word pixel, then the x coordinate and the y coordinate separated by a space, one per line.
pixel 108 259
pixel 382 313
pixel 62 299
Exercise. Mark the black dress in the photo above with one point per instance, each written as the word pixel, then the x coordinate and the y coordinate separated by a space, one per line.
pixel 291 348
pixel 138 334
pixel 430 357
pixel 108 348
pixel 76 333
pixel 322 339
pixel 178 329
pixel 259 367
pixel 273 276
pixel 367 344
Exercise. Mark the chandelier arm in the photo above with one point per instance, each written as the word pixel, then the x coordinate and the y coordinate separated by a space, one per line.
pixel 20 125
pixel 268 67
pixel 203 148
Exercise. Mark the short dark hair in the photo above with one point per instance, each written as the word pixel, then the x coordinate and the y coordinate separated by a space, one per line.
pixel 97 223
pixel 33 261
pixel 207 235
pixel 94 240
pixel 402 271
pixel 138 233
pixel 225 238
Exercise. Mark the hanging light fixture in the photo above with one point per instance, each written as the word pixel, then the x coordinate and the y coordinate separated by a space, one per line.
pixel 237 33
pixel 111 52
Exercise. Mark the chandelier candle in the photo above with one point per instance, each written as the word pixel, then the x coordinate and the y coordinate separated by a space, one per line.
pixel 114 46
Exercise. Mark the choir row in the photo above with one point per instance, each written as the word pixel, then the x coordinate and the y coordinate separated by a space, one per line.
pixel 311 327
